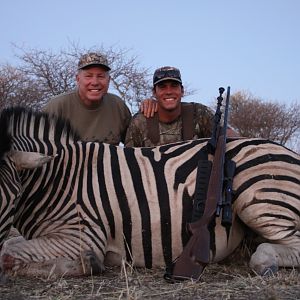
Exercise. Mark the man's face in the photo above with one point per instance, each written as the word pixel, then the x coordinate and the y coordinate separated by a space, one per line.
pixel 168 94
pixel 92 84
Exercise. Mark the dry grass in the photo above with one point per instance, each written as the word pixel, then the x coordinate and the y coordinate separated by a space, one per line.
pixel 219 281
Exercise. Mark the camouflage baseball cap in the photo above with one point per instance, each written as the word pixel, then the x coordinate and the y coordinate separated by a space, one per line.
pixel 166 73
pixel 93 59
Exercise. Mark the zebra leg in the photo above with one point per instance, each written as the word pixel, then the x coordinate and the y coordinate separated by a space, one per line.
pixel 269 257
pixel 271 209
pixel 53 267
pixel 16 259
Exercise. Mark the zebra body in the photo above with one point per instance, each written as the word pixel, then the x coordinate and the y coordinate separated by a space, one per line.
pixel 95 203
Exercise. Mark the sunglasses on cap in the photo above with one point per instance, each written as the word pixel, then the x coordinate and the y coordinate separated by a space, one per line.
pixel 163 74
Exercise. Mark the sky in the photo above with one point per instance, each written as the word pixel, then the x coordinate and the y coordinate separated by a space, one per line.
pixel 249 45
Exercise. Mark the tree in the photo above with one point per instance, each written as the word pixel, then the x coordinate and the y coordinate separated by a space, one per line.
pixel 252 117
pixel 17 89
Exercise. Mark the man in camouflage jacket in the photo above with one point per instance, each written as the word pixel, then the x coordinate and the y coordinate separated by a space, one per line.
pixel 174 120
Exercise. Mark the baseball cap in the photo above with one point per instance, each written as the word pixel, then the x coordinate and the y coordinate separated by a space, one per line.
pixel 93 59
pixel 166 73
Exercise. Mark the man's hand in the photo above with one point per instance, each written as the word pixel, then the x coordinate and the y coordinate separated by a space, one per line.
pixel 148 107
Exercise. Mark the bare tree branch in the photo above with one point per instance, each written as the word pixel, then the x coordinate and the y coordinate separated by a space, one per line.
pixel 252 117
pixel 55 72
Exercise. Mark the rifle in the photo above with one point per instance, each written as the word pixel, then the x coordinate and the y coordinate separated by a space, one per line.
pixel 195 256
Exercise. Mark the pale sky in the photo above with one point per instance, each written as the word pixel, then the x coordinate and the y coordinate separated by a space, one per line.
pixel 251 45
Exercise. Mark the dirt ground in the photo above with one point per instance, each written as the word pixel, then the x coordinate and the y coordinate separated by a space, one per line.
pixel 230 280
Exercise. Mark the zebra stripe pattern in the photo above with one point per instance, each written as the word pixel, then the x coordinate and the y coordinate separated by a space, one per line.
pixel 96 203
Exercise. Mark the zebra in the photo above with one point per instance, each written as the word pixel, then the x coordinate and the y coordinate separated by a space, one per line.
pixel 80 206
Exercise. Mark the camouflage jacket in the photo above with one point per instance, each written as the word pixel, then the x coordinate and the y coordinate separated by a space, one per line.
pixel 138 135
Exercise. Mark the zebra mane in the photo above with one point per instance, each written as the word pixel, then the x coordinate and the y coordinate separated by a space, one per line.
pixel 18 120
pixel 5 138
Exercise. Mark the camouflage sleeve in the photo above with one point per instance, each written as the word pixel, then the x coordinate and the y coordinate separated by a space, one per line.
pixel 204 121
pixel 136 134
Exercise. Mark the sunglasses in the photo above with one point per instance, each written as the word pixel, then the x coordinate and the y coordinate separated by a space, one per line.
pixel 166 73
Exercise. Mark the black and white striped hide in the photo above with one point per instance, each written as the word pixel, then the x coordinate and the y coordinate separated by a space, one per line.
pixel 92 204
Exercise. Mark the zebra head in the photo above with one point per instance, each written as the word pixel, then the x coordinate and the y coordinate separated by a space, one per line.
pixel 12 163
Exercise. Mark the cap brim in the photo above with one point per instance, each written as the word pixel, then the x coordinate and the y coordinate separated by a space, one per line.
pixel 95 65
pixel 167 78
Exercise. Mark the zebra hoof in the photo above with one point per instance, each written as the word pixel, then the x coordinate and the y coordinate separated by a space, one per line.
pixel 270 271
pixel 93 263
pixel 264 260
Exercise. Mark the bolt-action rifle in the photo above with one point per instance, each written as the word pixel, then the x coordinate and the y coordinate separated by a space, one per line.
pixel 208 201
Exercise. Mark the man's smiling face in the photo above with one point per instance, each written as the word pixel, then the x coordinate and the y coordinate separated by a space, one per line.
pixel 93 83
pixel 168 93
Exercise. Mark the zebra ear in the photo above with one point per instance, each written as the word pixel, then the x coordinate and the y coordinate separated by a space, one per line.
pixel 29 160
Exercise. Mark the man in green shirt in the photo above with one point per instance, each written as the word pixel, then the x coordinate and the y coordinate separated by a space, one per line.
pixel 93 112
pixel 174 120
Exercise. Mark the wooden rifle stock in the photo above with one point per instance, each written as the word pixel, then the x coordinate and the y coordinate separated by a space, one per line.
pixel 196 254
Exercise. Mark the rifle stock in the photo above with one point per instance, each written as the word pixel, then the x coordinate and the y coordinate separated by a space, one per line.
pixel 196 254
